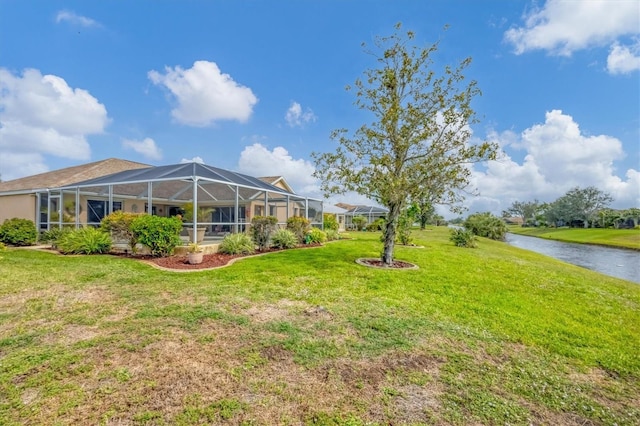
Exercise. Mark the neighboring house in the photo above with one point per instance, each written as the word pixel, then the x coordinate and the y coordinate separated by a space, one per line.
pixel 371 213
pixel 81 199
pixel 339 213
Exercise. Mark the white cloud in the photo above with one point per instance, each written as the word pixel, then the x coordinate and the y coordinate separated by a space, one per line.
pixel 257 160
pixel 623 59
pixel 562 27
pixel 147 147
pixel 74 19
pixel 296 117
pixel 205 95
pixel 193 160
pixel 42 115
pixel 558 157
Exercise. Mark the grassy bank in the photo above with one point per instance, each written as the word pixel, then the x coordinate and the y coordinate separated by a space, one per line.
pixel 491 335
pixel 626 238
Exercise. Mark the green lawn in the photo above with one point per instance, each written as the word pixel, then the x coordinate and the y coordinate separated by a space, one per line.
pixel 628 238
pixel 491 335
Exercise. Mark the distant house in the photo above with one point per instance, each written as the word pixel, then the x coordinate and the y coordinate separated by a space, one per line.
pixel 339 213
pixel 83 195
pixel 371 213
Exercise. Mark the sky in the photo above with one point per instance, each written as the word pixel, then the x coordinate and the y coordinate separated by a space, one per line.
pixel 256 86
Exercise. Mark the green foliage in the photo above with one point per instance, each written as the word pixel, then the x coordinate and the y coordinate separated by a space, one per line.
pixel 237 244
pixel 203 214
pixel 160 234
pixel 261 229
pixel 87 240
pixel 376 225
pixel 418 145
pixel 332 235
pixel 18 232
pixel 463 238
pixel 316 236
pixel 53 235
pixel 330 222
pixel 118 225
pixel 486 225
pixel 405 222
pixel 359 222
pixel 284 239
pixel 299 226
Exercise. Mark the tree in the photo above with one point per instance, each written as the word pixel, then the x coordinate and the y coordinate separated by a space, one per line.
pixel 422 211
pixel 526 210
pixel 584 204
pixel 419 142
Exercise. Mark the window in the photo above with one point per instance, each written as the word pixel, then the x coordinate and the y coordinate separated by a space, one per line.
pixel 97 209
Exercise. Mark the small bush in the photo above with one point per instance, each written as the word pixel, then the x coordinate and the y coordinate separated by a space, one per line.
pixel 88 240
pixel 486 225
pixel 330 222
pixel 403 231
pixel 284 239
pixel 237 244
pixel 463 238
pixel 160 234
pixel 376 225
pixel 18 232
pixel 359 222
pixel 332 235
pixel 316 236
pixel 299 226
pixel 53 236
pixel 118 225
pixel 261 229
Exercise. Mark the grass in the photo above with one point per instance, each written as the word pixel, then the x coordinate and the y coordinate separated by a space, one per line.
pixel 492 335
pixel 626 238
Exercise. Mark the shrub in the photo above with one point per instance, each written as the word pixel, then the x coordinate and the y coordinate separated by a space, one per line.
pixel 160 234
pixel 486 225
pixel 53 236
pixel 237 244
pixel 330 222
pixel 18 232
pixel 88 240
pixel 332 235
pixel 405 222
pixel 118 224
pixel 261 229
pixel 299 226
pixel 316 236
pixel 376 225
pixel 463 238
pixel 359 222
pixel 283 239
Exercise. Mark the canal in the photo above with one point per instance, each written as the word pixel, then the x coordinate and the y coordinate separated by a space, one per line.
pixel 619 263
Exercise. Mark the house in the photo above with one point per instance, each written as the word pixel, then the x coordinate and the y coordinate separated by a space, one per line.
pixel 85 194
pixel 19 197
pixel 371 213
pixel 339 213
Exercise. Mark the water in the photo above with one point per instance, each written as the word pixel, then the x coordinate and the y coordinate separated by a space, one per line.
pixel 615 262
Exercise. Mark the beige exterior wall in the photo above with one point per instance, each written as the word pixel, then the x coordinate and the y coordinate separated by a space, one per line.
pixel 22 206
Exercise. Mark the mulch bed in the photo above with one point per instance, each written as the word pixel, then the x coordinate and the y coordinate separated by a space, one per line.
pixel 214 260
pixel 377 263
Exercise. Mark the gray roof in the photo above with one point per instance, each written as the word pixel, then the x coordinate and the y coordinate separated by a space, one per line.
pixel 181 172
pixel 357 210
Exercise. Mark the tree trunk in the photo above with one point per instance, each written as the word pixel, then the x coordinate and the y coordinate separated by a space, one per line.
pixel 390 234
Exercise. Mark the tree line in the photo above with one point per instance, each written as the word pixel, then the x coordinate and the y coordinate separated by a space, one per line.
pixel 579 207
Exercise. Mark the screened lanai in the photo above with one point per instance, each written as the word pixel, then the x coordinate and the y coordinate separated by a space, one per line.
pixel 223 201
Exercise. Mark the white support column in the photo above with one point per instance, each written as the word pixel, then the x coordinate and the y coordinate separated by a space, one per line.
pixel 237 212
pixel 195 210
pixel 77 212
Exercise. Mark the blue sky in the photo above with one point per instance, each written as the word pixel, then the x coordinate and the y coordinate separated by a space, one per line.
pixel 257 86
